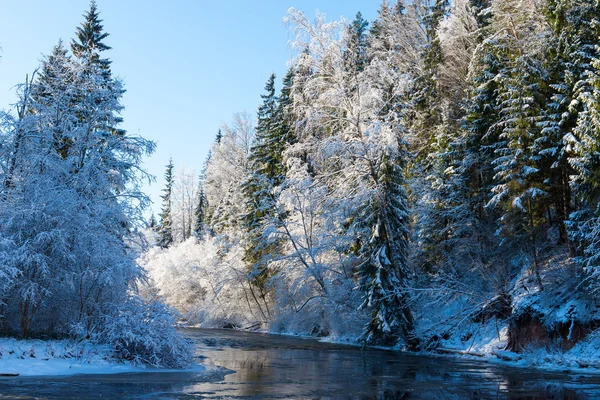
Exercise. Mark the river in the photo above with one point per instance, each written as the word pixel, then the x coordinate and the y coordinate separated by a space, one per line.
pixel 280 367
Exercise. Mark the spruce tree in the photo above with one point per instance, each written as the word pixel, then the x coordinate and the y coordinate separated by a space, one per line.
pixel 521 188
pixel 424 98
pixel 265 167
pixel 152 224
pixel 284 135
pixel 165 227
pixel 266 173
pixel 383 272
pixel 89 41
pixel 428 120
pixel 570 52
pixel 481 11
pixel 263 159
pixel 87 48
pixel 57 74
pixel 584 142
pixel 355 56
pixel 200 211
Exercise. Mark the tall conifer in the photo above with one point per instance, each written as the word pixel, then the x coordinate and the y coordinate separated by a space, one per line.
pixel 165 226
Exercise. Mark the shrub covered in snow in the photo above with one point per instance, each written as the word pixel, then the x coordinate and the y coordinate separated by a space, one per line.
pixel 145 333
pixel 206 281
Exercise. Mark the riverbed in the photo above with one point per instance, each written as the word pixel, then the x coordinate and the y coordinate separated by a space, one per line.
pixel 243 365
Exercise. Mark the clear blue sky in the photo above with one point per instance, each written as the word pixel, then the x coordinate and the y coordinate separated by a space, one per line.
pixel 187 65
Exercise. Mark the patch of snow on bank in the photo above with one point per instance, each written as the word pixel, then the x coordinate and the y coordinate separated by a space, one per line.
pixel 63 357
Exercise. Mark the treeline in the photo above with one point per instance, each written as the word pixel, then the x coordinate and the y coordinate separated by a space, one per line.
pixel 70 207
pixel 445 151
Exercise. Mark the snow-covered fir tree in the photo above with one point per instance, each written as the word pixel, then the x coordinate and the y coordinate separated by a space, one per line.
pixel 165 227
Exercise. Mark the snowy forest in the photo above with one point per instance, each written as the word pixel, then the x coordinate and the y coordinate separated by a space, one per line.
pixel 425 180
pixel 411 181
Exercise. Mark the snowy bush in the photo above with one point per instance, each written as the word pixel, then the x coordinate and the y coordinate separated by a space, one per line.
pixel 145 333
pixel 206 281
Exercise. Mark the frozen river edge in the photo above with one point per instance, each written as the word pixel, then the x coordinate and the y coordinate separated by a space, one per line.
pixel 38 358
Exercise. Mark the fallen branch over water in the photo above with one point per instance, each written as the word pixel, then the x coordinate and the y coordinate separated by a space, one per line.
pixel 507 355
pixel 461 352
pixel 588 364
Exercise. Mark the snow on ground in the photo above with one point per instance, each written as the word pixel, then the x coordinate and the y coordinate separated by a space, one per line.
pixel 478 338
pixel 487 342
pixel 63 357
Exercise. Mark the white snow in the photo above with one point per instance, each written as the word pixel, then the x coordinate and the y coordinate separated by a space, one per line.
pixel 64 357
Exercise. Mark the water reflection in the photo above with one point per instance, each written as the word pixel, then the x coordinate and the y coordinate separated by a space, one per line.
pixel 282 367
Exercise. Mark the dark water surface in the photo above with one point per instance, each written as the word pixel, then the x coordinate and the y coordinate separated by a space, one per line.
pixel 276 367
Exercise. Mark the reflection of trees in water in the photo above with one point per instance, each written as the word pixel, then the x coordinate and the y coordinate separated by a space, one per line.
pixel 300 368
pixel 296 368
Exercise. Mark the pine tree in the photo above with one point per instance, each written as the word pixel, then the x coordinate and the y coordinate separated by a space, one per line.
pixel 165 226
pixel 265 169
pixel 571 50
pixel 87 48
pixel 57 74
pixel 355 56
pixel 584 142
pixel 521 186
pixel 200 211
pixel 383 272
pixel 152 224
pixel 89 42
pixel 482 11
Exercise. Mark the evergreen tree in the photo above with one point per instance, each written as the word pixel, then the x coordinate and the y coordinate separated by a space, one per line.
pixel 584 143
pixel 425 98
pixel 56 77
pixel 428 118
pixel 470 176
pixel 265 170
pixel 200 211
pixel 263 159
pixel 383 272
pixel 355 56
pixel 89 42
pixel 521 188
pixel 224 173
pixel 482 11
pixel 152 224
pixel 285 135
pixel 571 50
pixel 165 228
pixel 87 48
pixel 379 27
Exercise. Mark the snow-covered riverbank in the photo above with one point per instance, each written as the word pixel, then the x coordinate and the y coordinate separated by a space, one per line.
pixel 487 342
pixel 64 357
